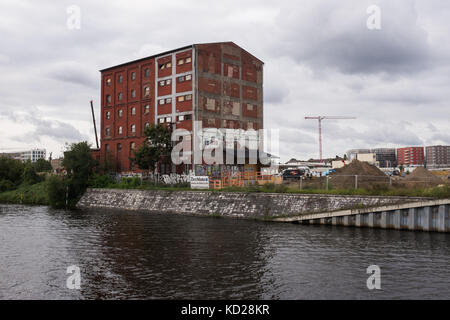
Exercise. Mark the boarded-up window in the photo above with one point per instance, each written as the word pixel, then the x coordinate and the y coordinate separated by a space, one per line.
pixel 230 71
pixel 235 110
pixel 210 104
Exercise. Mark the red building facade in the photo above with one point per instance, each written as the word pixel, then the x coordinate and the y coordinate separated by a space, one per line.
pixel 410 156
pixel 219 84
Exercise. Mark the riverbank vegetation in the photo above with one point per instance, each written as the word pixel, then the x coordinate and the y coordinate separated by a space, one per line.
pixel 33 183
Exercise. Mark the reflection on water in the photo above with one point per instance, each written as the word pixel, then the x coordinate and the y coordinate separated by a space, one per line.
pixel 139 255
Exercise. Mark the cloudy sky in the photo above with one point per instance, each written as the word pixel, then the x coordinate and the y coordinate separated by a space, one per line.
pixel 320 59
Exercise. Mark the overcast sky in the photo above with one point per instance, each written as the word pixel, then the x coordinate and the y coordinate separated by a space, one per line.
pixel 320 59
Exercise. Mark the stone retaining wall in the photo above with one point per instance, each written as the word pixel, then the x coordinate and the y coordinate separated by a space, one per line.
pixel 228 204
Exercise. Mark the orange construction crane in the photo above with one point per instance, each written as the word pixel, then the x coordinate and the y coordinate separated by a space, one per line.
pixel 320 118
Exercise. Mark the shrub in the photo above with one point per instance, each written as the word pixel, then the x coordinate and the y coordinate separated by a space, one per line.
pixel 56 189
pixel 6 185
pixel 29 175
pixel 101 181
pixel 130 183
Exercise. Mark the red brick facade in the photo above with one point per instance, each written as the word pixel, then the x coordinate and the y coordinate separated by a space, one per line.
pixel 410 156
pixel 219 84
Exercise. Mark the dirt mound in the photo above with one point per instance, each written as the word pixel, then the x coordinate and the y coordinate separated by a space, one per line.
pixel 422 174
pixel 369 176
pixel 360 168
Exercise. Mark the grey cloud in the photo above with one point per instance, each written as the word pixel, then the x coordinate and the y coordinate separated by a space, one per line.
pixel 73 72
pixel 340 39
pixel 54 129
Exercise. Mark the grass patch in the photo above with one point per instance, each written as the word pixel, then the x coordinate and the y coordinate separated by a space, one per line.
pixel 35 194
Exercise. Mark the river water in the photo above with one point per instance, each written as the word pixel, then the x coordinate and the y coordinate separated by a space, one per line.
pixel 135 255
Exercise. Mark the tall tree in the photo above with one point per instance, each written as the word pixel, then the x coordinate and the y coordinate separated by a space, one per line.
pixel 156 148
pixel 42 165
pixel 79 164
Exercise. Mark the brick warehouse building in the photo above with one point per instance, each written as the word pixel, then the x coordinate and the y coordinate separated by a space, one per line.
pixel 219 84
pixel 410 156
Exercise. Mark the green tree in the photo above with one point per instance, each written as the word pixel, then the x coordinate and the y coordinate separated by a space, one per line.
pixel 29 174
pixel 42 165
pixel 11 170
pixel 156 149
pixel 79 165
pixel 56 189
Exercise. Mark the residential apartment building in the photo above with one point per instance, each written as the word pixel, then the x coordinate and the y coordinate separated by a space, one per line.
pixel 438 156
pixel 411 156
pixel 218 84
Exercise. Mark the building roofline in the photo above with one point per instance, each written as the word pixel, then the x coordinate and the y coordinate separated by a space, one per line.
pixel 145 58
pixel 172 51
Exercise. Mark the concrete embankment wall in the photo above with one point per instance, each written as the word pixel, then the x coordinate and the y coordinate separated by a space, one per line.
pixel 229 204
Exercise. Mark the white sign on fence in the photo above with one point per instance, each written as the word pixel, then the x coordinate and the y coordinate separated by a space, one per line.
pixel 199 182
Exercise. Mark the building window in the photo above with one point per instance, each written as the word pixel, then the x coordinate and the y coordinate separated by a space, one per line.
pixel 120 79
pixel 108 82
pixel 161 83
pixel 168 81
pixel 107 132
pixel 181 79
pixel 120 113
pixel 180 118
pixel 188 60
pixel 107 147
pixel 133 128
pixel 180 98
pixel 120 96
pixel 187 117
pixel 146 125
pixel 168 119
pixel 165 65
pixel 132 146
pixel 146 91
pixel 189 97
pixel 133 93
pixel 119 147
pixel 108 98
pixel 147 73
pixel 168 100
pixel 161 101
pixel 147 109
pixel 133 76
pixel 108 115
pixel 188 77
pixel 120 130
pixel 181 61
pixel 161 120
pixel 133 111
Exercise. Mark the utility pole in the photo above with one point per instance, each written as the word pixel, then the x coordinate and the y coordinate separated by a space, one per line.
pixel 320 118
pixel 95 126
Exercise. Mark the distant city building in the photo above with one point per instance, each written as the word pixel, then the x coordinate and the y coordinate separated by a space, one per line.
pixel 410 156
pixel 370 158
pixel 438 156
pixel 386 157
pixel 33 155
pixel 57 166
